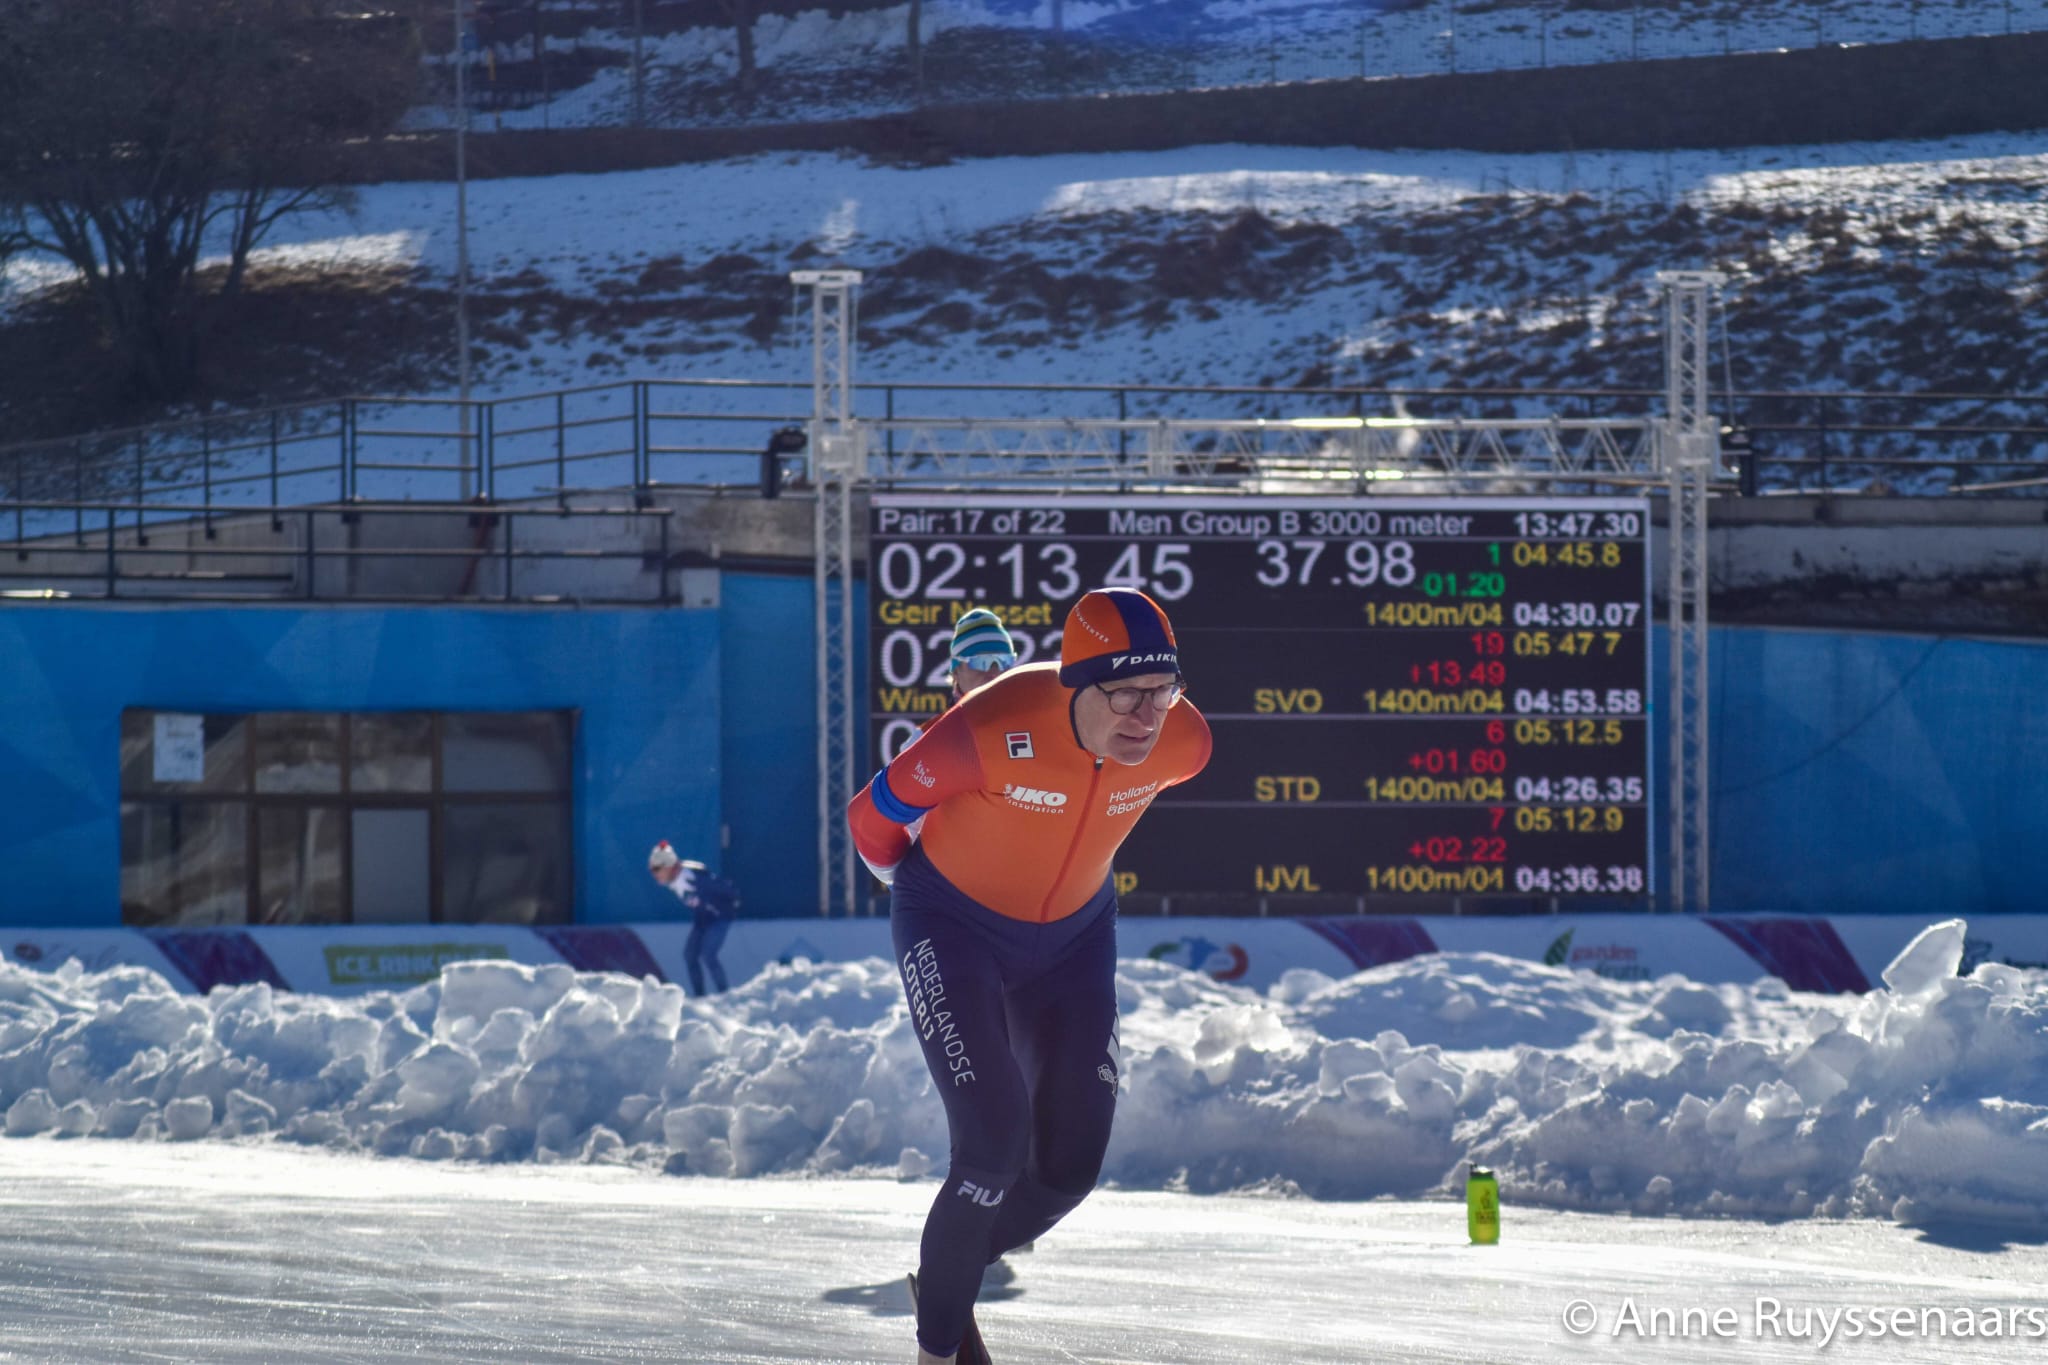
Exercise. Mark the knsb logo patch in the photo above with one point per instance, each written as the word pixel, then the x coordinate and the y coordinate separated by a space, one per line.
pixel 1033 798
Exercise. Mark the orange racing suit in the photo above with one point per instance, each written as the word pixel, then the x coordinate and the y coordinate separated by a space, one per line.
pixel 1017 815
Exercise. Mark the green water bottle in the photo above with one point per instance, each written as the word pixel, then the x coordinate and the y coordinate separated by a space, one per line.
pixel 1482 1206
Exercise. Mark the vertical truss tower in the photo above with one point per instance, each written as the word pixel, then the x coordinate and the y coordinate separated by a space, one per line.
pixel 835 444
pixel 1691 450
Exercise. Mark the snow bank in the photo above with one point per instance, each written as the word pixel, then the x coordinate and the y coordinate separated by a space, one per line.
pixel 1927 1099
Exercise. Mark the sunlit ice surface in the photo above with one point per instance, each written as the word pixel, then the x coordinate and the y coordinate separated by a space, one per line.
pixel 260 1251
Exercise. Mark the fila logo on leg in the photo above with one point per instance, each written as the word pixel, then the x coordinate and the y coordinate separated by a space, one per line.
pixel 987 1198
pixel 1019 742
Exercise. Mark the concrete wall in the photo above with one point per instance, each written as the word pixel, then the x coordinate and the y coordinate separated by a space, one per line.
pixel 1846 92
pixel 1938 565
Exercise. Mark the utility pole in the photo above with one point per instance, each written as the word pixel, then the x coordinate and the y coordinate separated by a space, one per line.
pixel 639 72
pixel 461 57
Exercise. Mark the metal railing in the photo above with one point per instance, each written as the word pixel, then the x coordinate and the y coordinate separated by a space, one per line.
pixel 645 434
pixel 448 554
pixel 1870 443
pixel 628 435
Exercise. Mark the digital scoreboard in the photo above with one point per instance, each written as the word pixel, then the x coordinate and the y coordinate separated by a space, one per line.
pixel 1409 696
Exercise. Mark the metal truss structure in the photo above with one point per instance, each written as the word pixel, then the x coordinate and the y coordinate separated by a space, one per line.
pixel 1312 454
pixel 1691 446
pixel 835 444
pixel 1308 454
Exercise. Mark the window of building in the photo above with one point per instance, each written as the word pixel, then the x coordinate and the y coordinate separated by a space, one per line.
pixel 303 817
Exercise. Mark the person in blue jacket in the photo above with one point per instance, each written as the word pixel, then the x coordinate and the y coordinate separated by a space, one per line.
pixel 712 902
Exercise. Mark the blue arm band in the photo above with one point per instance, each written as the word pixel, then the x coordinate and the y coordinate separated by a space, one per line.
pixel 892 806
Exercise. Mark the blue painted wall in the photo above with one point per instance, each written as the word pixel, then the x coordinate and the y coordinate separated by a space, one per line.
pixel 645 682
pixel 1851 773
pixel 769 748
pixel 1897 774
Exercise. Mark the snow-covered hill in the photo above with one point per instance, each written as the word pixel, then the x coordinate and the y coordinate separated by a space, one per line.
pixel 1909 267
pixel 1895 268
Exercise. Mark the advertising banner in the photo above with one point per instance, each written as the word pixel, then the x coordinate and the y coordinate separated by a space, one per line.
pixel 1807 952
pixel 349 960
pixel 94 950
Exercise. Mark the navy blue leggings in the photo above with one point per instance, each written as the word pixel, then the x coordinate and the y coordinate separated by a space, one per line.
pixel 700 950
pixel 1018 1026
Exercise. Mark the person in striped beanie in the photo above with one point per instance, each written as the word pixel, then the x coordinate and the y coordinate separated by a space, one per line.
pixel 982 648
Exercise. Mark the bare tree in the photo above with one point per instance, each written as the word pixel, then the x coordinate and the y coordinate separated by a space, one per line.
pixel 741 15
pixel 14 236
pixel 139 138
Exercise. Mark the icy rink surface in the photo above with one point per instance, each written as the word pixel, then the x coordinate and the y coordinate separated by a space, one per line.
pixel 234 1252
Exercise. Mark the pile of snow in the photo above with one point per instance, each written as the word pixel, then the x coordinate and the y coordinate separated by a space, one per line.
pixel 1926 1099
